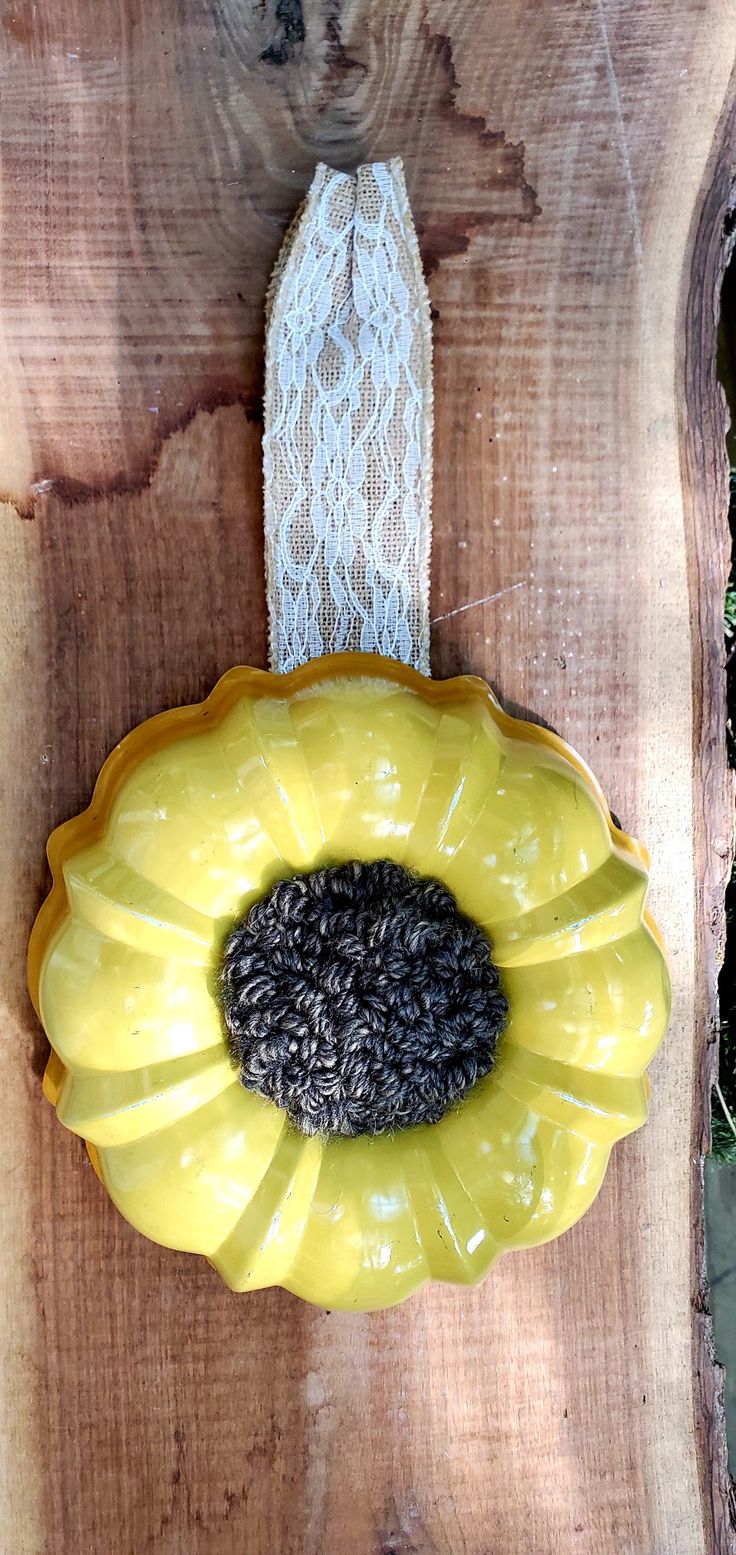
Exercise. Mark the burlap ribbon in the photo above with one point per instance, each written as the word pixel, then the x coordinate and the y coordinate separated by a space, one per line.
pixel 348 426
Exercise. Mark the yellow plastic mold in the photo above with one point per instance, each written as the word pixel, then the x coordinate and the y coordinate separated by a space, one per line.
pixel 194 815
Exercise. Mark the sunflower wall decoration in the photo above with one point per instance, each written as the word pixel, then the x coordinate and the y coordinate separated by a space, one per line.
pixel 347 974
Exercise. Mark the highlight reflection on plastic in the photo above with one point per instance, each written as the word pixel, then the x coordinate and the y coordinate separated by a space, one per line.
pixel 194 815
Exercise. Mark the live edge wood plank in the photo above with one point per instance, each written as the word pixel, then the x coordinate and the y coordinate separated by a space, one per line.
pixel 569 170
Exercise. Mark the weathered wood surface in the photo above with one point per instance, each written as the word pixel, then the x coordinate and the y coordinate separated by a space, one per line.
pixel 568 167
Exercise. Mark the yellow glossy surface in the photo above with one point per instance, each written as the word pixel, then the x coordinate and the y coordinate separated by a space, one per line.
pixel 194 815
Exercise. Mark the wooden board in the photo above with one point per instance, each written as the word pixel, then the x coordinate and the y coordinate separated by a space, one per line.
pixel 569 170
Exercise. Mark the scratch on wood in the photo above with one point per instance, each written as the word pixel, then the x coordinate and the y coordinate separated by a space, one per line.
pixel 473 604
pixel 623 143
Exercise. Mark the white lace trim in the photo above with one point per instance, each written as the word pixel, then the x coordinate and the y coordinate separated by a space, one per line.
pixel 347 447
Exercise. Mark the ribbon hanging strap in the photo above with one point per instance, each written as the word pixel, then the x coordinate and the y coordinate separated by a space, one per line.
pixel 347 447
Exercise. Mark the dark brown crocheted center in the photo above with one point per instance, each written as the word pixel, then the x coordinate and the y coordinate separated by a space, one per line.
pixel 360 999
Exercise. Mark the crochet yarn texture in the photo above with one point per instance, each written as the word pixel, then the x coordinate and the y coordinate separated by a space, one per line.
pixel 360 999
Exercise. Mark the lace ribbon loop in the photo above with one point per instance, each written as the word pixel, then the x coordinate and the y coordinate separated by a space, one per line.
pixel 347 447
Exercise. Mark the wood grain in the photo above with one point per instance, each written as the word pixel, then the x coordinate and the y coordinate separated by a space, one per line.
pixel 569 170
